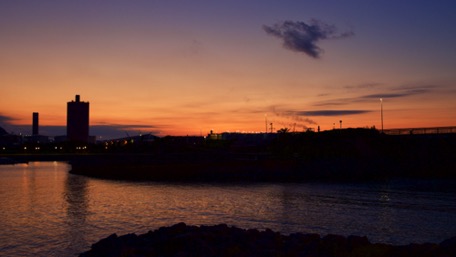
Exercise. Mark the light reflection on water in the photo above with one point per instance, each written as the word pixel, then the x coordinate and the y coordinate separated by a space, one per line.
pixel 47 212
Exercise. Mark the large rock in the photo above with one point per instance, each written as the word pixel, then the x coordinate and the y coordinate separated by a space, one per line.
pixel 222 240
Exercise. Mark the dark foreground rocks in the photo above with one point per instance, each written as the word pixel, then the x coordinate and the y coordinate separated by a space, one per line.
pixel 221 240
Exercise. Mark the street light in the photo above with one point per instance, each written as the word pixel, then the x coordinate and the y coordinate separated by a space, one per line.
pixel 381 112
pixel 266 122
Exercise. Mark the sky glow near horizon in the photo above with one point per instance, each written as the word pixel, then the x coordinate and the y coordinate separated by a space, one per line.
pixel 186 68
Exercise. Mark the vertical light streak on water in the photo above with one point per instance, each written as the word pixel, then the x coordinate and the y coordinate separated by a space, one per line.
pixel 44 211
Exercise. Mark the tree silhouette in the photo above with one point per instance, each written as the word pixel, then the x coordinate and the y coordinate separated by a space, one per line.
pixel 283 130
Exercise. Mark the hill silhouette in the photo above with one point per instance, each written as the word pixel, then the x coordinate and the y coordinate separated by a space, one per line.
pixel 3 131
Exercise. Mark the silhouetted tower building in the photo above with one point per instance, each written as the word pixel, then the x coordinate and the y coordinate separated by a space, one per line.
pixel 35 124
pixel 78 120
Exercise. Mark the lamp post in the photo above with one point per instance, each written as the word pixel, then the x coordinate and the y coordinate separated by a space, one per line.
pixel 266 122
pixel 381 112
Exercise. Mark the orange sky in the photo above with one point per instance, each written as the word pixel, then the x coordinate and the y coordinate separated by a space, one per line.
pixel 178 69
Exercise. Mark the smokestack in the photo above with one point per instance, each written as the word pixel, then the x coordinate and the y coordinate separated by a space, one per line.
pixel 77 98
pixel 35 124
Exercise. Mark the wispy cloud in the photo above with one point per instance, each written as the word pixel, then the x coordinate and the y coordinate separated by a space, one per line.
pixel 336 102
pixel 304 37
pixel 386 95
pixel 363 86
pixel 397 92
pixel 333 112
pixel 401 92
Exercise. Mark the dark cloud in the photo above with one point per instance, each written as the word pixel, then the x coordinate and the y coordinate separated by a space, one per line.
pixel 43 130
pixel 333 112
pixel 49 130
pixel 302 37
pixel 110 131
pixel 105 131
pixel 5 120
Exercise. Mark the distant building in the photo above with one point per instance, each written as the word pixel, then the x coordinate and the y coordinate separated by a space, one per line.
pixel 78 120
pixel 35 124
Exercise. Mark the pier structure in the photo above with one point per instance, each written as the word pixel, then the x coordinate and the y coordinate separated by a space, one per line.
pixel 420 131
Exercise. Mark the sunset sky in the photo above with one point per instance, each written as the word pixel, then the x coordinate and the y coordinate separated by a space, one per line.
pixel 189 67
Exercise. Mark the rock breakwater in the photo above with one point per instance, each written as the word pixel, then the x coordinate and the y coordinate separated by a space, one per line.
pixel 222 240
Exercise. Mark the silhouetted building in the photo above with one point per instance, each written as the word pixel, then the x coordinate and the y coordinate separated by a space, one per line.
pixel 35 124
pixel 78 120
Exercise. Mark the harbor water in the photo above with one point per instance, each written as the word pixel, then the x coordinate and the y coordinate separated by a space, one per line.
pixel 45 211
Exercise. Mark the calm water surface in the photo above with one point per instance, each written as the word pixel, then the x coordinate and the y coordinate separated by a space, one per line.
pixel 44 211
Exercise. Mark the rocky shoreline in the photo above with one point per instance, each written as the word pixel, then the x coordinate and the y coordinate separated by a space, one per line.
pixel 222 240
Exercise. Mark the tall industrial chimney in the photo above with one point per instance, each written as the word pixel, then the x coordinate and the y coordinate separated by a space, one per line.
pixel 35 124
